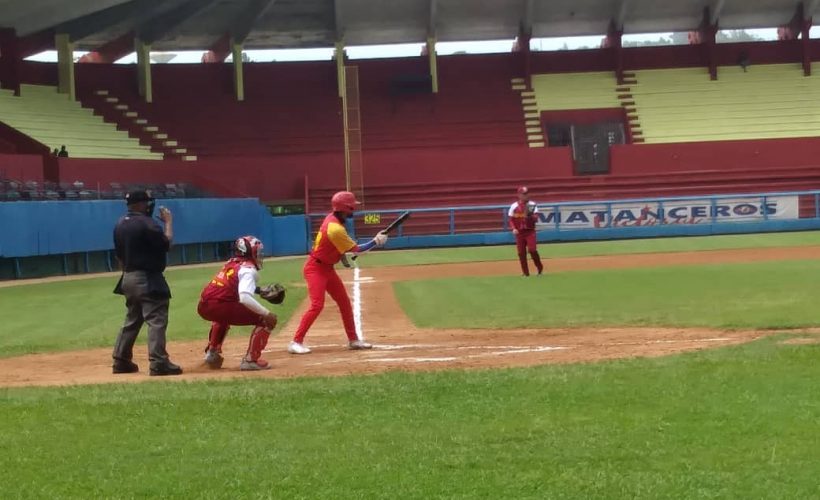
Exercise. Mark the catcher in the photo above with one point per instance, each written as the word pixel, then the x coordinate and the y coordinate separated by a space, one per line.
pixel 228 299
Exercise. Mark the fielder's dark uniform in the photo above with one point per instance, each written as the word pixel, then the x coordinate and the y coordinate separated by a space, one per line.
pixel 141 247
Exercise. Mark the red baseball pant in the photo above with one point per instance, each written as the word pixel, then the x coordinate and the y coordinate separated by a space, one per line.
pixel 525 241
pixel 224 314
pixel 322 278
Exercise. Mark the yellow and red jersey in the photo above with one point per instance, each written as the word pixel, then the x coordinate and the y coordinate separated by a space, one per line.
pixel 332 241
pixel 224 287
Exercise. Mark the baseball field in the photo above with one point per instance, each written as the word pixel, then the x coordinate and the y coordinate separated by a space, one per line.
pixel 669 368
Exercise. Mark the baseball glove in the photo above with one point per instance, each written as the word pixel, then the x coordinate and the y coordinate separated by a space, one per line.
pixel 275 294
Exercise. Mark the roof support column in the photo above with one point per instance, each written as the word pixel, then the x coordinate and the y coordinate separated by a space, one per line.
pixel 65 65
pixel 144 70
pixel 238 73
pixel 431 55
pixel 339 55
pixel 705 37
pixel 522 47
pixel 9 61
pixel 613 41
pixel 799 27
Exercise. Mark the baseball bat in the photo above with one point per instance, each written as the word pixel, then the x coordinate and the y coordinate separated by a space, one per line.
pixel 393 225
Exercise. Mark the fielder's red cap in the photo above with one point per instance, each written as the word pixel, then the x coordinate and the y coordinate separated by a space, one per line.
pixel 523 190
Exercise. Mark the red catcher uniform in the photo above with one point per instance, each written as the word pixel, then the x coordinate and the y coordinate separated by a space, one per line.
pixel 331 243
pixel 228 300
pixel 523 217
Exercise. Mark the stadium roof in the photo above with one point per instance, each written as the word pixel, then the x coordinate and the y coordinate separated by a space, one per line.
pixel 198 24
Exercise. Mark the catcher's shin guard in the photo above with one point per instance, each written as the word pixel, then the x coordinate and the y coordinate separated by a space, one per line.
pixel 217 336
pixel 259 339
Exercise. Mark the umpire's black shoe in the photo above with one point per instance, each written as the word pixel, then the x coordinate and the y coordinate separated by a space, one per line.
pixel 121 366
pixel 164 369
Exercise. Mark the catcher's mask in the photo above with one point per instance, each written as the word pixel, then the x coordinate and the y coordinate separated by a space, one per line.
pixel 249 247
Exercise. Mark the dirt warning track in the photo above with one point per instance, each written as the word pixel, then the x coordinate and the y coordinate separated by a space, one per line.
pixel 402 346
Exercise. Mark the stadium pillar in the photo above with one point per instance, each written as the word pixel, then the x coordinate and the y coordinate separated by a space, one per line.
pixel 65 65
pixel 799 27
pixel 340 67
pixel 613 41
pixel 522 46
pixel 144 70
pixel 238 74
pixel 9 60
pixel 806 47
pixel 706 37
pixel 431 55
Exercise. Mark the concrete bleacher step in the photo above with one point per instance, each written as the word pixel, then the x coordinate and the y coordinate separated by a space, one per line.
pixel 101 92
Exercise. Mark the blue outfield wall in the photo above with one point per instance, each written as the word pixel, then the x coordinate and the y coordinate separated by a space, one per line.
pixel 635 218
pixel 31 229
pixel 62 227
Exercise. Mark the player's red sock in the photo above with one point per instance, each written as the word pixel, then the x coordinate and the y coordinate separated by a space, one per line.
pixel 525 267
pixel 537 259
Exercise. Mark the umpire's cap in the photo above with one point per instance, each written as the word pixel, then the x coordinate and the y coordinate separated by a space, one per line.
pixel 137 196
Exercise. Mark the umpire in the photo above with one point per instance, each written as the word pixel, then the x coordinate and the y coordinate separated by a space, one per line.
pixel 141 246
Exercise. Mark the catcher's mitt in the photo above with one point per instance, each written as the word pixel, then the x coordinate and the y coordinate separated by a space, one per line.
pixel 275 294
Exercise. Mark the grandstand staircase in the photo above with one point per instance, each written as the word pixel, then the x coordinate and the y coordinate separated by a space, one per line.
pixel 113 110
pixel 44 115
pixel 624 91
pixel 532 118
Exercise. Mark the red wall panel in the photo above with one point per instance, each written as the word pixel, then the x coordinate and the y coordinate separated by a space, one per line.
pixel 21 167
pixel 635 159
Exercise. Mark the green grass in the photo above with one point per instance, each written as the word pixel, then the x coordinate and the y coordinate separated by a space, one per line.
pixel 730 423
pixel 85 313
pixel 760 295
pixel 592 248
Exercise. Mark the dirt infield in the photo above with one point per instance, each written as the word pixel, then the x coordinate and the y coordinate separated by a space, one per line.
pixel 402 346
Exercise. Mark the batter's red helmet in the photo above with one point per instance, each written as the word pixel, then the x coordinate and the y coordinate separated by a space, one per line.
pixel 523 190
pixel 344 201
pixel 249 247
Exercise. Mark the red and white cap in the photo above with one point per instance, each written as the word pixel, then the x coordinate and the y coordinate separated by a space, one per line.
pixel 523 190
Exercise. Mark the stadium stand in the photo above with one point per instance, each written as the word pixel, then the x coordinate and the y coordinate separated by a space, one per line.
pixel 764 102
pixel 294 108
pixel 110 107
pixel 474 106
pixel 54 120
pixel 563 91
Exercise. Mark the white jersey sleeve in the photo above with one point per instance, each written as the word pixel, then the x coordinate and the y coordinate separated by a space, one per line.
pixel 511 211
pixel 247 286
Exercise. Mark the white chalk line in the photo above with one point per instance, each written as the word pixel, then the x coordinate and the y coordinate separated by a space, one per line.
pixel 357 302
pixel 505 350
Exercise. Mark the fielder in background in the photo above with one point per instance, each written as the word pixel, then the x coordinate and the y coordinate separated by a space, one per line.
pixel 331 243
pixel 523 217
pixel 228 299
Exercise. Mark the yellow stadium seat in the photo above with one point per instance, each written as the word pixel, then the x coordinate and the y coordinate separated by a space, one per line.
pixel 51 118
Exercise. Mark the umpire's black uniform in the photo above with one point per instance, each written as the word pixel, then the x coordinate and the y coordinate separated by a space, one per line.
pixel 141 247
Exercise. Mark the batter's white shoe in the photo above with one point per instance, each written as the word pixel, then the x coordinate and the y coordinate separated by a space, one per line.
pixel 297 348
pixel 358 345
